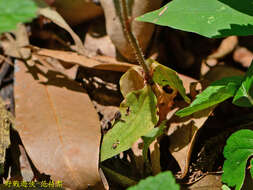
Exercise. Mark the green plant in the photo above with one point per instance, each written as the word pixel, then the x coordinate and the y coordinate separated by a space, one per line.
pixel 162 181
pixel 14 12
pixel 210 18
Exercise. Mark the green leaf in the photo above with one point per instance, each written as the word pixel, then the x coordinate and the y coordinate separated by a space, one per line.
pixel 244 95
pixel 224 187
pixel 13 12
pixel 251 168
pixel 163 76
pixel 216 93
pixel 162 181
pixel 237 152
pixel 139 116
pixel 150 137
pixel 210 18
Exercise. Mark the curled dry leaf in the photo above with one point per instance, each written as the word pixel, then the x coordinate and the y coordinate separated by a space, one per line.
pixel 57 19
pixel 182 132
pixel 226 47
pixel 143 31
pixel 97 62
pixel 58 126
pixel 244 56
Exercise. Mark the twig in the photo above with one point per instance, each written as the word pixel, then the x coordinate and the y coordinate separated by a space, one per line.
pixel 133 41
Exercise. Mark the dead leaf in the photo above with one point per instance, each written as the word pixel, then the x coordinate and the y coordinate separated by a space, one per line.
pixel 75 12
pixel 58 126
pixel 244 56
pixel 96 62
pixel 211 182
pixel 142 30
pixel 226 47
pixel 182 132
pixel 16 47
pixel 6 120
pixel 96 39
pixel 58 20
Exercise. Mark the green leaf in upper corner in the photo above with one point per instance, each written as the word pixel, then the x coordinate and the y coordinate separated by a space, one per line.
pixel 163 76
pixel 244 95
pixel 216 93
pixel 210 18
pixel 13 12
pixel 237 151
pixel 150 137
pixel 162 181
pixel 139 116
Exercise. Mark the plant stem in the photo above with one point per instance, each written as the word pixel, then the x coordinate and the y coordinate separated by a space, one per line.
pixel 133 41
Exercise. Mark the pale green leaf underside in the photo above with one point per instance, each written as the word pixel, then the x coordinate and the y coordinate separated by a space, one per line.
pixel 139 116
pixel 13 12
pixel 237 152
pixel 210 18
pixel 162 181
pixel 216 93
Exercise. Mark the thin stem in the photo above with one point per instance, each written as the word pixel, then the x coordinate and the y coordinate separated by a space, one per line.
pixel 132 39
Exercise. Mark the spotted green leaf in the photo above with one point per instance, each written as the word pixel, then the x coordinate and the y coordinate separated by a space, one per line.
pixel 139 116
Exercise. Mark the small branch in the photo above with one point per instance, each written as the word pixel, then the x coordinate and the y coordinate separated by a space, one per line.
pixel 132 40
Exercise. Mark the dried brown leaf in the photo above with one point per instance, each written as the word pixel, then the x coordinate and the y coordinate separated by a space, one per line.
pixel 182 132
pixel 58 126
pixel 227 46
pixel 57 19
pixel 97 62
pixel 244 56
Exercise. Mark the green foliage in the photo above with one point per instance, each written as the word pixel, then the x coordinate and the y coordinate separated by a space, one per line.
pixel 237 152
pixel 162 181
pixel 14 12
pixel 244 95
pixel 224 187
pixel 216 93
pixel 163 76
pixel 139 116
pixel 239 87
pixel 210 18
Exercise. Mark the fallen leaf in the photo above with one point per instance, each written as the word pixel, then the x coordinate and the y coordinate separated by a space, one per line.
pixel 143 31
pixel 75 12
pixel 182 131
pixel 58 126
pixel 58 20
pixel 243 55
pixel 97 62
pixel 226 47
pixel 6 120
pixel 212 182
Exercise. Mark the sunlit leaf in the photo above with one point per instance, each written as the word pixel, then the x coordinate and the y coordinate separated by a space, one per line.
pixel 210 18
pixel 216 93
